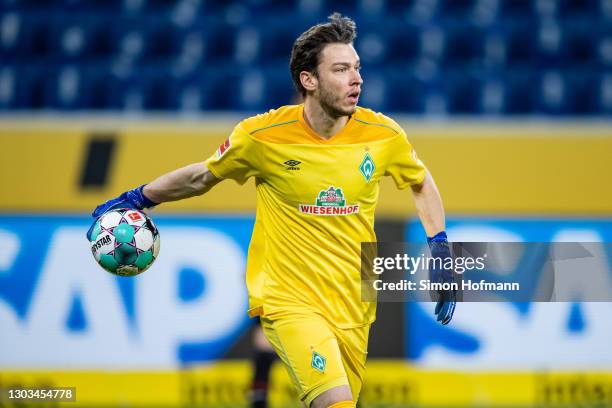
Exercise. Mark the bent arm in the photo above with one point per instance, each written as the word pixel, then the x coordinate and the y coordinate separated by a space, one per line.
pixel 429 205
pixel 192 180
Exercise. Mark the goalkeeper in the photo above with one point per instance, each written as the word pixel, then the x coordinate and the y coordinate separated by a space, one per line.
pixel 317 168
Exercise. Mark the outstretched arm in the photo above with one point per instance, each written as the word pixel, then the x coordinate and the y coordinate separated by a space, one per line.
pixel 192 180
pixel 429 206
pixel 431 212
pixel 185 182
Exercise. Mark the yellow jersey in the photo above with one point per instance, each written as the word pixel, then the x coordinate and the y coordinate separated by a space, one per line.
pixel 316 199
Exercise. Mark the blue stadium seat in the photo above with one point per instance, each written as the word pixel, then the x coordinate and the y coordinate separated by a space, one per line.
pixel 221 43
pixel 38 5
pixel 161 91
pixel 263 8
pixel 312 10
pixel 517 9
pixel 222 90
pixel 461 9
pixel 125 92
pixel 65 88
pixel 375 92
pixel 372 47
pixel 103 43
pixel 495 50
pixel 520 43
pixel 151 54
pixel 276 42
pixel 462 92
pixel 163 41
pixel 110 7
pixel 604 99
pixel 161 6
pixel 400 8
pixel 129 40
pixel 251 91
pixel 433 42
pixel 520 92
pixel 583 89
pixel 578 8
pixel 191 52
pixel 10 91
pixel 278 88
pixel 53 6
pixel 553 93
pixel 407 93
pixel 37 38
pixel 189 96
pixel 371 10
pixel 97 84
pixel 36 90
pixel 604 46
pixel 464 44
pixel 348 8
pixel 551 47
pixel 14 36
pixel 580 45
pixel 70 39
pixel 493 93
pixel 404 44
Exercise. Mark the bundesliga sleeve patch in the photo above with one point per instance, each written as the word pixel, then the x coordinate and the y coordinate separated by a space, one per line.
pixel 223 148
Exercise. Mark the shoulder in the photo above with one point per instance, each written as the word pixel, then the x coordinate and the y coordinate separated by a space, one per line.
pixel 367 117
pixel 285 115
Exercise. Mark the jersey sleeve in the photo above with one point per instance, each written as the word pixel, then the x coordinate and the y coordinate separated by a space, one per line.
pixel 404 166
pixel 237 158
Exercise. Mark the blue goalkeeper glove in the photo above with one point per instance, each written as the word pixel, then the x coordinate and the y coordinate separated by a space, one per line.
pixel 447 299
pixel 134 199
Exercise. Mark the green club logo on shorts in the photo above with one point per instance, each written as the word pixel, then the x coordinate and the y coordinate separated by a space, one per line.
pixel 318 362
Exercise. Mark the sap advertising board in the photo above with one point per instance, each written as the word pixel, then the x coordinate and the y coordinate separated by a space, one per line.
pixel 59 309
pixel 537 335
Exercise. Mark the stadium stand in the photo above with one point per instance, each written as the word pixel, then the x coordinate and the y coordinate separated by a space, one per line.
pixel 493 57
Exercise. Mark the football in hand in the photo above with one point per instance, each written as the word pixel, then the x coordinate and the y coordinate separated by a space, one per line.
pixel 125 242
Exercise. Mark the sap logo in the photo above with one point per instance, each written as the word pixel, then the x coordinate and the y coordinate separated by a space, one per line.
pixel 78 315
pixel 9 248
pixel 519 335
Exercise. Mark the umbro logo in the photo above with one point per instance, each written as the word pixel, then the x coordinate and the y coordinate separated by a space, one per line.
pixel 292 164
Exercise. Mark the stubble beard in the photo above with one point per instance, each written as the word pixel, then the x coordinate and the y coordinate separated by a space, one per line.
pixel 330 103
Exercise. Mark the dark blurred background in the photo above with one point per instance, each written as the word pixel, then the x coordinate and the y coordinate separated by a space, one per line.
pixel 493 57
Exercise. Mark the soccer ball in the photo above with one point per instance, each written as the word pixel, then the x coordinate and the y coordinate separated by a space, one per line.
pixel 125 242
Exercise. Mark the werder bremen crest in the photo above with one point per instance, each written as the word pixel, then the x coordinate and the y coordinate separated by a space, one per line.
pixel 367 167
pixel 318 362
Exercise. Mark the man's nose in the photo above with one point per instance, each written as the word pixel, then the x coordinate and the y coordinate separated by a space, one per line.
pixel 356 80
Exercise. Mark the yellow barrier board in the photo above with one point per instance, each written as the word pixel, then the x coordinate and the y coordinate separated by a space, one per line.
pixel 480 168
pixel 389 383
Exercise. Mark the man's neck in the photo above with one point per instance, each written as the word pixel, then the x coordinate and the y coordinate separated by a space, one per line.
pixel 320 121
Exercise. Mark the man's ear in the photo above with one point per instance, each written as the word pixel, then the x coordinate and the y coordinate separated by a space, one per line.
pixel 308 80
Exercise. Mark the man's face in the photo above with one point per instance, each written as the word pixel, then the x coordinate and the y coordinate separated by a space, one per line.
pixel 339 81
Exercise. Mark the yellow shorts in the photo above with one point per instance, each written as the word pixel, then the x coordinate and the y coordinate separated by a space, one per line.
pixel 318 355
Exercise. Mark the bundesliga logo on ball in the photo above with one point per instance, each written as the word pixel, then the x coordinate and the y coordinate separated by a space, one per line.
pixel 125 242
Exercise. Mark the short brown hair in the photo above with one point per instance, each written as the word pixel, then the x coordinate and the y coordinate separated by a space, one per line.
pixel 308 46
